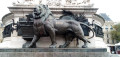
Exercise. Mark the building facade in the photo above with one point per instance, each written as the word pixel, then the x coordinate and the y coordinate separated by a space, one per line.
pixel 107 28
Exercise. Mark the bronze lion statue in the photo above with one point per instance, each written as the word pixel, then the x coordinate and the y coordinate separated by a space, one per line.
pixel 46 25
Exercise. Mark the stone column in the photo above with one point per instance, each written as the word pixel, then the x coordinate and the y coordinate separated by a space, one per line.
pixel 1 35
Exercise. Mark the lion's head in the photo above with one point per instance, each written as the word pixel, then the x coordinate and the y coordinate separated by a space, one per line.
pixel 39 10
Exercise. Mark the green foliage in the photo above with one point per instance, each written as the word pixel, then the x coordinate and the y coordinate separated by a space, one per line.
pixel 115 34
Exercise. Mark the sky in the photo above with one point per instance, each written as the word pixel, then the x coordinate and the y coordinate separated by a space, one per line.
pixel 110 7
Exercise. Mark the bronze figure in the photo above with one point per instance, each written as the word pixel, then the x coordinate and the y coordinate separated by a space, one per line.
pixel 44 25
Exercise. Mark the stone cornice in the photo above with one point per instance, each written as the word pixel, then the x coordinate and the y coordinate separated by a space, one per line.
pixel 53 9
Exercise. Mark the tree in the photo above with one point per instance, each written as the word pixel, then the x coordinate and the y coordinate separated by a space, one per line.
pixel 115 33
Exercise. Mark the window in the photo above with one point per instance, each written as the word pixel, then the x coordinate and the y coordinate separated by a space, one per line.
pixel 1 25
pixel 111 27
pixel 107 36
pixel 106 27
pixel 113 41
pixel 107 40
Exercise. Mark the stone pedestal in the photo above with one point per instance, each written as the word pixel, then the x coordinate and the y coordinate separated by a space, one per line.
pixel 47 52
pixel 12 42
pixel 95 42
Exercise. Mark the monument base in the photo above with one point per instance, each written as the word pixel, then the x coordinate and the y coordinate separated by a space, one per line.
pixel 95 42
pixel 57 52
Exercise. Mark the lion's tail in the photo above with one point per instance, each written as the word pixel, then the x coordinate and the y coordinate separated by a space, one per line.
pixel 89 28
